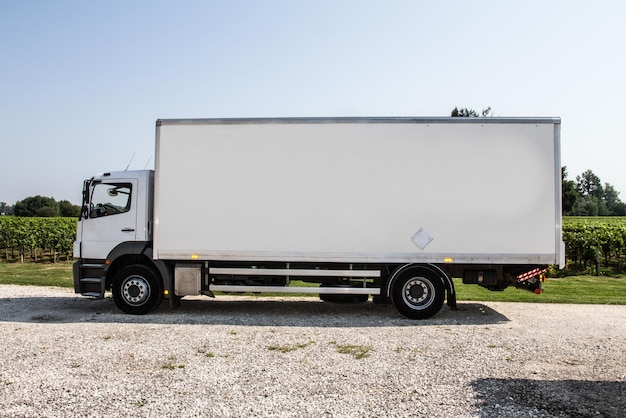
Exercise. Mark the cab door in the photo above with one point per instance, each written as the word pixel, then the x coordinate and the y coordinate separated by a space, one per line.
pixel 111 217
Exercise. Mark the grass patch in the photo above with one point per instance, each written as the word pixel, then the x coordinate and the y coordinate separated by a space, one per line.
pixel 602 290
pixel 573 289
pixel 37 274
pixel 170 364
pixel 206 352
pixel 140 403
pixel 289 347
pixel 412 354
pixel 357 351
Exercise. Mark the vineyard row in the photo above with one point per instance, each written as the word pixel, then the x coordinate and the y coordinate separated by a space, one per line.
pixel 37 238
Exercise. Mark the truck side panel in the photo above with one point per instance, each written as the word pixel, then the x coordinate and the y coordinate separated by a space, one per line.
pixel 356 191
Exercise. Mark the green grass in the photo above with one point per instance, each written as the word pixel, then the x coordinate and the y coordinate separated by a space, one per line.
pixel 288 348
pixel 37 274
pixel 357 351
pixel 603 290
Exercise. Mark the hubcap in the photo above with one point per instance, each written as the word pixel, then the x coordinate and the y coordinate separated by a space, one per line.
pixel 136 290
pixel 418 292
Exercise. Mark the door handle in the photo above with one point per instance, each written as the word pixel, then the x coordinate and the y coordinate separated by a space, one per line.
pixel 128 230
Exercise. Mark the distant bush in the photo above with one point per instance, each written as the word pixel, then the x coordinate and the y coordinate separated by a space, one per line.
pixel 41 206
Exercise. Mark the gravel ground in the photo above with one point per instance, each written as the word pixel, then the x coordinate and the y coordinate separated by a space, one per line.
pixel 64 355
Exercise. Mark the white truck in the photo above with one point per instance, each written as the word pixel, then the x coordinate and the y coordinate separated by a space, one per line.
pixel 346 208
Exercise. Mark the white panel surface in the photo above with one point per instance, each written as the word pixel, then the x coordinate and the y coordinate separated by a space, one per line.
pixel 328 190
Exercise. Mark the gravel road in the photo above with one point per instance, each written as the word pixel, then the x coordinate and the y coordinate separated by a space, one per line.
pixel 64 355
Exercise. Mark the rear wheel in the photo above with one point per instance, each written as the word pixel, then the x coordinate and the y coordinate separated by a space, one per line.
pixel 418 293
pixel 137 290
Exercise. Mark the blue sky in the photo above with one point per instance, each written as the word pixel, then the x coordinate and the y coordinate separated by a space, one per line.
pixel 82 83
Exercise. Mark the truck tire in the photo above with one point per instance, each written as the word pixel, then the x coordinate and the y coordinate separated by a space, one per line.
pixel 137 290
pixel 418 293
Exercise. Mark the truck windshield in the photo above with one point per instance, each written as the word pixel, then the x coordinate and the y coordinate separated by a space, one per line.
pixel 110 199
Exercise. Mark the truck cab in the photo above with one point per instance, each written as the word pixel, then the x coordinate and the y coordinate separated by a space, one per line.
pixel 115 220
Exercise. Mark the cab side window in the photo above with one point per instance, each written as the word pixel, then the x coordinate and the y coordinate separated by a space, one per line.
pixel 110 199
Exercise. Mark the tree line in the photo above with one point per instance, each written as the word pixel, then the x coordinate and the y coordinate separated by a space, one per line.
pixel 40 206
pixel 588 196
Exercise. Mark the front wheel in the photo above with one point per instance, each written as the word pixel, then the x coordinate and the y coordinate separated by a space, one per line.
pixel 137 290
pixel 418 293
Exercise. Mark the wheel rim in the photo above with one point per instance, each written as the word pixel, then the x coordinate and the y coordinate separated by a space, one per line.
pixel 418 292
pixel 135 290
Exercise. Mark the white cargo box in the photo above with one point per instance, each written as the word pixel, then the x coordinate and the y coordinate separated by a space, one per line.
pixel 453 190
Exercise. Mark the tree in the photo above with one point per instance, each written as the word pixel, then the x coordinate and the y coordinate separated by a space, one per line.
pixel 612 202
pixel 569 194
pixel 589 187
pixel 589 197
pixel 5 209
pixel 470 113
pixel 37 206
pixel 588 184
pixel 68 210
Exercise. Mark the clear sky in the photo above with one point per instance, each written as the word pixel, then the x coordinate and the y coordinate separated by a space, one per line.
pixel 83 82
